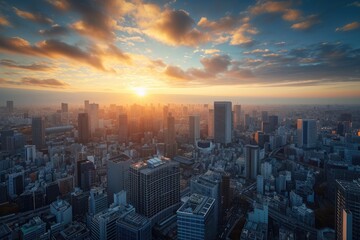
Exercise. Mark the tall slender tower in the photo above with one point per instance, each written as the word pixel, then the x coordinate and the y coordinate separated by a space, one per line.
pixel 171 146
pixel 194 128
pixel 211 124
pixel 237 116
pixel 83 127
pixel 123 128
pixel 38 131
pixel 306 132
pixel 222 122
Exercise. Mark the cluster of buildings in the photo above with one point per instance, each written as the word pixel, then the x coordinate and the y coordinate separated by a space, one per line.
pixel 179 172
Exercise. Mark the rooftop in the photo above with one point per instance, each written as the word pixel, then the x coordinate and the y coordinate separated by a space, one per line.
pixel 197 205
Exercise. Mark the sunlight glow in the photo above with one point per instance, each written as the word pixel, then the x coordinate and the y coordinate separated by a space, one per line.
pixel 140 91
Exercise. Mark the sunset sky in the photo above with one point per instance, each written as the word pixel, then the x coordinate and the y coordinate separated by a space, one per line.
pixel 301 49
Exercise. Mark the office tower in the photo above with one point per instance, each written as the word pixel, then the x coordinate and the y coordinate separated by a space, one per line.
pixel 123 128
pixel 222 122
pixel 195 218
pixel 98 200
pixel 16 184
pixel 211 124
pixel 237 116
pixel 73 231
pixel 252 161
pixel 38 131
pixel 79 202
pixel 306 133
pixel 83 128
pixel 62 211
pixel 194 129
pixel 133 227
pixel 64 107
pixel 165 116
pixel 154 186
pixel 209 184
pixel 347 209
pixel 264 116
pixel 266 170
pixel 273 123
pixel 10 106
pixel 66 184
pixel 259 138
pixel 6 137
pixel 171 145
pixel 117 174
pixel 51 192
pixel 260 184
pixel 265 127
pixel 103 224
pixel 30 153
pixel 247 121
pixel 33 229
pixel 86 106
pixel 93 117
pixel 86 174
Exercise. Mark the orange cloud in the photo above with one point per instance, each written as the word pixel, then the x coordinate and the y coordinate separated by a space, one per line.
pixel 34 67
pixel 49 83
pixel 291 15
pixel 35 17
pixel 176 72
pixel 348 27
pixel 4 21
pixel 224 24
pixel 307 23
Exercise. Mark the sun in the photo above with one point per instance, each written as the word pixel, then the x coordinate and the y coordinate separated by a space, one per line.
pixel 140 91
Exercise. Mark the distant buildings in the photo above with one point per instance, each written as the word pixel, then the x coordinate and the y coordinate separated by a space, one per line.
pixel 10 106
pixel 123 128
pixel 211 124
pixel 222 122
pixel 196 218
pixel 237 116
pixel 306 133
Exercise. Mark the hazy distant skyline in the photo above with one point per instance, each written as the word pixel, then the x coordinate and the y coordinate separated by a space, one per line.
pixel 257 52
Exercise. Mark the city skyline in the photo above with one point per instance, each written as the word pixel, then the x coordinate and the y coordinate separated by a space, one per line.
pixel 272 52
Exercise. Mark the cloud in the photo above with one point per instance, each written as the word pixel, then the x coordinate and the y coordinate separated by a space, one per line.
pixel 257 51
pixel 48 83
pixel 130 40
pixel 216 64
pixel 270 7
pixel 4 21
pixel 35 17
pixel 34 67
pixel 307 23
pixel 348 27
pixel 355 4
pixel 240 35
pixel 176 72
pixel 55 30
pixel 291 15
pixel 211 51
pixel 224 24
pixel 172 27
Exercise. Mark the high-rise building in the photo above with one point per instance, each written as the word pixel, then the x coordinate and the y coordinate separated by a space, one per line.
pixel 273 123
pixel 10 106
pixel 30 153
pixel 117 174
pixel 86 106
pixel 103 224
pixel 195 218
pixel 222 122
pixel 62 211
pixel 123 128
pixel 16 183
pixel 154 186
pixel 165 116
pixel 133 227
pixel 86 174
pixel 79 202
pixel 38 131
pixel 260 184
pixel 264 116
pixel 83 128
pixel 98 200
pixel 64 107
pixel 33 229
pixel 252 161
pixel 211 124
pixel 194 129
pixel 237 116
pixel 306 133
pixel 347 210
pixel 171 145
pixel 93 117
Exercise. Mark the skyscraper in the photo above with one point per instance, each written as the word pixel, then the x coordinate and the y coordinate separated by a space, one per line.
pixel 222 122
pixel 93 117
pixel 64 107
pixel 86 174
pixel 154 186
pixel 237 116
pixel 194 129
pixel 306 133
pixel 98 200
pixel 38 131
pixel 273 123
pixel 83 128
pixel 195 218
pixel 117 174
pixel 133 227
pixel 211 124
pixel 171 146
pixel 252 161
pixel 347 210
pixel 123 128
pixel 10 106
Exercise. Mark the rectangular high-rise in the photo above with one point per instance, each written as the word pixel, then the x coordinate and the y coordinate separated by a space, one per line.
pixel 83 128
pixel 64 107
pixel 222 122
pixel 306 133
pixel 171 145
pixel 195 218
pixel 211 124
pixel 154 185
pixel 10 106
pixel 123 128
pixel 347 210
pixel 38 132
pixel 252 161
pixel 237 116
pixel 194 128
pixel 93 117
